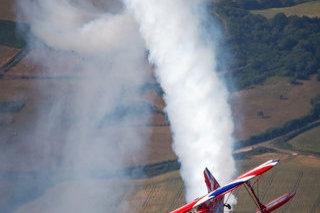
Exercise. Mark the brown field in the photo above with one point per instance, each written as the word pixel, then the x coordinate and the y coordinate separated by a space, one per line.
pixel 160 145
pixel 247 103
pixel 6 54
pixel 7 10
pixel 158 194
pixel 266 98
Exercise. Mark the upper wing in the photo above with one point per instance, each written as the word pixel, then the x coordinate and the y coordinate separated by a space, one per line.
pixel 229 187
pixel 238 181
pixel 259 169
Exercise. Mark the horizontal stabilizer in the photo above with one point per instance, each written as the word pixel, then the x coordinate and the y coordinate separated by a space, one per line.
pixel 277 203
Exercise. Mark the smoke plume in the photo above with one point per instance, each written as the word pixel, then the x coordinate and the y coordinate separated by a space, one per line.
pixel 196 98
pixel 92 62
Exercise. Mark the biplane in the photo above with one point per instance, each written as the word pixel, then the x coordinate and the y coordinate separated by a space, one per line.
pixel 213 202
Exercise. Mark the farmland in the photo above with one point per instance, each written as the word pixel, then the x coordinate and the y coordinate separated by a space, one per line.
pixel 311 9
pixel 294 173
pixel 159 194
pixel 255 109
pixel 6 54
pixel 7 10
pixel 308 141
pixel 277 100
pixel 165 192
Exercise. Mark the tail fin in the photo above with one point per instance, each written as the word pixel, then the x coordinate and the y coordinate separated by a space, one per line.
pixel 212 183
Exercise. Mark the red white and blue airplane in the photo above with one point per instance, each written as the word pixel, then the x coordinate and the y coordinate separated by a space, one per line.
pixel 213 202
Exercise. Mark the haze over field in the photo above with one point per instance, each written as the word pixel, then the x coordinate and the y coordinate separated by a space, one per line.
pixel 86 122
pixel 104 49
pixel 77 91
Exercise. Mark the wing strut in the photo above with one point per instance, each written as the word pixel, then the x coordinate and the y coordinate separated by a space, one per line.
pixel 256 199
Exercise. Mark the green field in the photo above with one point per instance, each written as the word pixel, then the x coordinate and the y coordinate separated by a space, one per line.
pixel 311 9
pixel 308 141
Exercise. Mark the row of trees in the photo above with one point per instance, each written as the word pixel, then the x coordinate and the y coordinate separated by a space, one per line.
pixel 261 47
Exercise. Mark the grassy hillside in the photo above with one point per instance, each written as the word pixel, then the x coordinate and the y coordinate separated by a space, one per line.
pixel 310 9
pixel 262 4
pixel 308 141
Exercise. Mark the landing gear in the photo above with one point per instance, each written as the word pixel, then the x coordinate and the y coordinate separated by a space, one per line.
pixel 227 205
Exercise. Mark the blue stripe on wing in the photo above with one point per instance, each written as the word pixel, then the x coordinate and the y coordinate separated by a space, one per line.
pixel 225 188
pixel 277 160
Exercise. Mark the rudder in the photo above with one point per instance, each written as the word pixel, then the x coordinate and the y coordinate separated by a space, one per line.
pixel 211 182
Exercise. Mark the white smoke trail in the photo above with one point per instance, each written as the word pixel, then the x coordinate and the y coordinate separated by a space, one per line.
pixel 197 100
